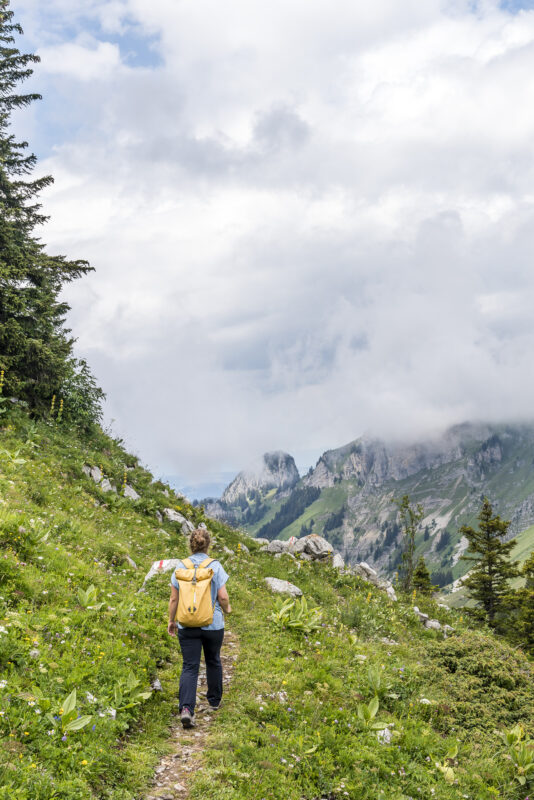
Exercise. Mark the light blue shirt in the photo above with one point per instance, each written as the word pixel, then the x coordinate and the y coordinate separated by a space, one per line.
pixel 220 576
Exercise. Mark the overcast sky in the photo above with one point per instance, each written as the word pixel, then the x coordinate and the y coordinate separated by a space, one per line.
pixel 307 219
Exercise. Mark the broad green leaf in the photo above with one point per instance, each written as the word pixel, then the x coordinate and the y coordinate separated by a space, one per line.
pixel 78 724
pixel 69 703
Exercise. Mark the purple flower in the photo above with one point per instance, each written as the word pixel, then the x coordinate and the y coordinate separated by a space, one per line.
pixel 64 738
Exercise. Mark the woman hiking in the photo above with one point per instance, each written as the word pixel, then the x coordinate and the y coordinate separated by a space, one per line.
pixel 207 637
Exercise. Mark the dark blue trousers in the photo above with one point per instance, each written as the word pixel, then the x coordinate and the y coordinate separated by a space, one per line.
pixel 192 642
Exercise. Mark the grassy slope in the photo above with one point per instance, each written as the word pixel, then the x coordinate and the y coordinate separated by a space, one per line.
pixel 289 728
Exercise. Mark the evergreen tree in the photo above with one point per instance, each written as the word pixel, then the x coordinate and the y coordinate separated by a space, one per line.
pixel 35 347
pixel 421 578
pixel 487 581
pixel 410 517
pixel 523 602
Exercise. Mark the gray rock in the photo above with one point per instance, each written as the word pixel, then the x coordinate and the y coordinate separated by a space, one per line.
pixel 372 573
pixel 317 547
pixel 96 474
pixel 337 562
pixel 283 587
pixel 131 562
pixel 305 556
pixel 276 546
pixel 86 470
pixel 262 541
pixel 244 548
pixel 174 516
pixel 187 527
pixel 390 591
pixel 107 486
pixel 433 624
pixel 156 685
pixel 131 493
pixel 448 629
pixel 160 567
pixel 299 546
pixel 159 517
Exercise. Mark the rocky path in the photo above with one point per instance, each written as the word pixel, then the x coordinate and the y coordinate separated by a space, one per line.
pixel 175 770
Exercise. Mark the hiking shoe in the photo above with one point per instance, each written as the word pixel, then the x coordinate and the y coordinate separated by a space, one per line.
pixel 186 718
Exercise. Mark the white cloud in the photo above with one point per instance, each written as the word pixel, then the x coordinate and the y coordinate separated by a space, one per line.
pixel 81 62
pixel 305 221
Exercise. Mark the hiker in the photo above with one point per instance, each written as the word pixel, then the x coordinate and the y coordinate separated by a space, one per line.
pixel 207 637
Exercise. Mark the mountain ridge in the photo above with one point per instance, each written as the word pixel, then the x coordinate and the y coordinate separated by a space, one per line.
pixel 448 474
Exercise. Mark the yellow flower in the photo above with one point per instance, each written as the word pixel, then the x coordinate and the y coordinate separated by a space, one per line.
pixel 84 762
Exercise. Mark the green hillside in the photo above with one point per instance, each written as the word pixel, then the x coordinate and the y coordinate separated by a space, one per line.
pixel 293 725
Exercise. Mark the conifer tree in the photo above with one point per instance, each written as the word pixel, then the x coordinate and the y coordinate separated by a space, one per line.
pixel 523 603
pixel 421 578
pixel 487 581
pixel 410 517
pixel 35 347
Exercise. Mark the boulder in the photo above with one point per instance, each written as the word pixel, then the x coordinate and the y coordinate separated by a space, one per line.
pixel 261 541
pixel 159 567
pixel 433 624
pixel 298 546
pixel 187 527
pixel 317 547
pixel 283 587
pixel 131 493
pixel 86 470
pixel 174 516
pixel 96 474
pixel 107 486
pixel 276 546
pixel 337 562
pixel 159 517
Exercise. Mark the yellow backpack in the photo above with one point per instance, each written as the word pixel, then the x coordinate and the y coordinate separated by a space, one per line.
pixel 195 609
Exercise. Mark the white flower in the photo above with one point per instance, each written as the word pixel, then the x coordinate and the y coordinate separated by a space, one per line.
pixel 90 697
pixel 2 629
pixel 3 684
pixel 112 713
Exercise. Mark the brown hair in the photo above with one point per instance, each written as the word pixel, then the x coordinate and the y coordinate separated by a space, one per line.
pixel 200 540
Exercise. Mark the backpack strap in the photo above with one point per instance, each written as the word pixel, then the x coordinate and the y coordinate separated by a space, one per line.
pixel 206 563
pixel 188 564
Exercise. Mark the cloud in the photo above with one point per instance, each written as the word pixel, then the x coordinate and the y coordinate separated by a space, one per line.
pixel 305 224
pixel 80 62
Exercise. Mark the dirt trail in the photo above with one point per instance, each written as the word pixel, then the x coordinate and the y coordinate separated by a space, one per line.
pixel 175 770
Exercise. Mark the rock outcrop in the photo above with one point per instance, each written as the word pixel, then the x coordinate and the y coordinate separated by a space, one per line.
pixel 283 587
pixel 275 470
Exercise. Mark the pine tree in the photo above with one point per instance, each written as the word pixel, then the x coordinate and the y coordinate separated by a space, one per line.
pixel 487 581
pixel 523 603
pixel 35 347
pixel 421 578
pixel 410 517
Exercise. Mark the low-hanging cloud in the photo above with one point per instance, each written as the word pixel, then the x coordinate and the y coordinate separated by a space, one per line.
pixel 305 224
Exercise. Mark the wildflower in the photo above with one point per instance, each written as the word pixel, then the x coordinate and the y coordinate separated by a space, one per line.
pixel 51 733
pixel 64 737
pixel 84 762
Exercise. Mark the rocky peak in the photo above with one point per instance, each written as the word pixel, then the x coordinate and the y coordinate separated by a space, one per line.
pixel 274 470
pixel 372 462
